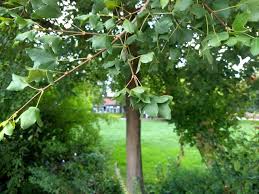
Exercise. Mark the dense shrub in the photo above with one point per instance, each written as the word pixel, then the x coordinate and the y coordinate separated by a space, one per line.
pixel 235 170
pixel 177 180
pixel 61 157
pixel 237 164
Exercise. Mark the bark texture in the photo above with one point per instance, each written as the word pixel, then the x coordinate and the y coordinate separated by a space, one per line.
pixel 135 183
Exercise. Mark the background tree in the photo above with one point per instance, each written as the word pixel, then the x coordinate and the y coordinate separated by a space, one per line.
pixel 178 43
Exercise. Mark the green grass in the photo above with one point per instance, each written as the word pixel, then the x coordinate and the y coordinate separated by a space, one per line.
pixel 159 144
pixel 248 125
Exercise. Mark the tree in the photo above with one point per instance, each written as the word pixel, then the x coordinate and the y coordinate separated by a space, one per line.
pixel 180 45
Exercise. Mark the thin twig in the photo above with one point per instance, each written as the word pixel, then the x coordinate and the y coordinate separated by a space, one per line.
pixel 70 32
pixel 215 15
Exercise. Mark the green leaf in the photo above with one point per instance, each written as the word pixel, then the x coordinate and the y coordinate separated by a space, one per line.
pixel 151 109
pixel 244 40
pixel 252 7
pixel 232 41
pixel 124 54
pixel 114 71
pixel 94 21
pixel 255 47
pixel 164 3
pixel 254 15
pixel 111 4
pixel 18 83
pixel 240 22
pixel 49 76
pixel 42 58
pixel 26 35
pixel 30 117
pixel 109 64
pixel 82 17
pixel 3 11
pixel 22 23
pixel 215 40
pixel 113 67
pixel 165 111
pixel 221 4
pixel 174 54
pixel 248 4
pixel 145 99
pixel 128 26
pixel 206 52
pixel 163 25
pixel 51 41
pixel 162 99
pixel 122 92
pixel 222 36
pixel 45 9
pixel 36 75
pixel 101 41
pixel 138 90
pixel 1 135
pixel 237 165
pixel 146 58
pixel 8 129
pixel 109 24
pixel 131 39
pixel 198 11
pixel 182 5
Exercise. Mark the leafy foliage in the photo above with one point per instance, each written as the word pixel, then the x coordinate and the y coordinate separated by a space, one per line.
pixel 234 170
pixel 29 117
pixel 170 28
pixel 175 179
pixel 61 156
pixel 236 164
pixel 187 53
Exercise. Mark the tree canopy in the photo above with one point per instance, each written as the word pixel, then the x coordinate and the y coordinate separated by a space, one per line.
pixel 190 62
pixel 167 38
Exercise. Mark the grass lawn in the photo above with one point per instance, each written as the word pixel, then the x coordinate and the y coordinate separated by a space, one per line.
pixel 159 144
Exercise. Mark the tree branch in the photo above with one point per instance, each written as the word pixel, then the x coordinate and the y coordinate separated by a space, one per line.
pixel 215 15
pixel 67 73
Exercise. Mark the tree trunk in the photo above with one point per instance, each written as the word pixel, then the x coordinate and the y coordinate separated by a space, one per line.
pixel 206 148
pixel 135 182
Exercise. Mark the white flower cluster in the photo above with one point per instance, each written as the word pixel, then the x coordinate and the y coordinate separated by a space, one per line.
pixel 67 14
